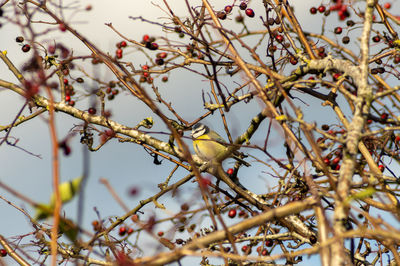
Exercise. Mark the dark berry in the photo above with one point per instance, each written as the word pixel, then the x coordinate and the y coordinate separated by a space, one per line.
pixel 92 110
pixel 325 127
pixel 269 242
pixel 249 12
pixel 313 239
pixel 26 48
pixel 243 5
pixel 338 30
pixel 313 10
pixel 221 15
pixel 159 61
pixel 346 39
pixel 153 46
pixel 19 39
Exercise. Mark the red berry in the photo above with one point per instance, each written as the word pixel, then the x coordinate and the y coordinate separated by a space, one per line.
pixel 293 60
pixel 162 55
pixel 145 67
pixel 146 38
pixel 327 161
pixel 92 110
pixel 321 9
pixel 133 191
pixel 160 233
pixel 67 98
pixel 264 252
pixel 62 27
pixel 122 230
pixel 259 249
pixel 397 139
pixel 279 38
pixel 336 76
pixel 249 12
pixel 232 213
pixel 387 5
pixel 26 48
pixel 118 53
pixel 243 5
pixel 230 171
pixel 396 59
pixel 384 116
pixel 228 9
pixel 164 79
pixel 123 44
pixel 337 168
pixel 338 30
pixel 65 81
pixel 336 160
pixel 269 242
pixel 376 38
pixel 245 248
pixel 130 231
pixel 313 10
pixel 381 168
pixel 3 252
pixel 369 121
pixel 135 218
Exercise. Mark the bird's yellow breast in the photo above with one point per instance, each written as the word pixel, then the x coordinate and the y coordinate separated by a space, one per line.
pixel 206 148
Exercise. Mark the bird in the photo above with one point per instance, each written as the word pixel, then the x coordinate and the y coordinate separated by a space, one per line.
pixel 67 190
pixel 208 144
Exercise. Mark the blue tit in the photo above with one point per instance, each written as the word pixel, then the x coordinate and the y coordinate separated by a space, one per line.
pixel 208 144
